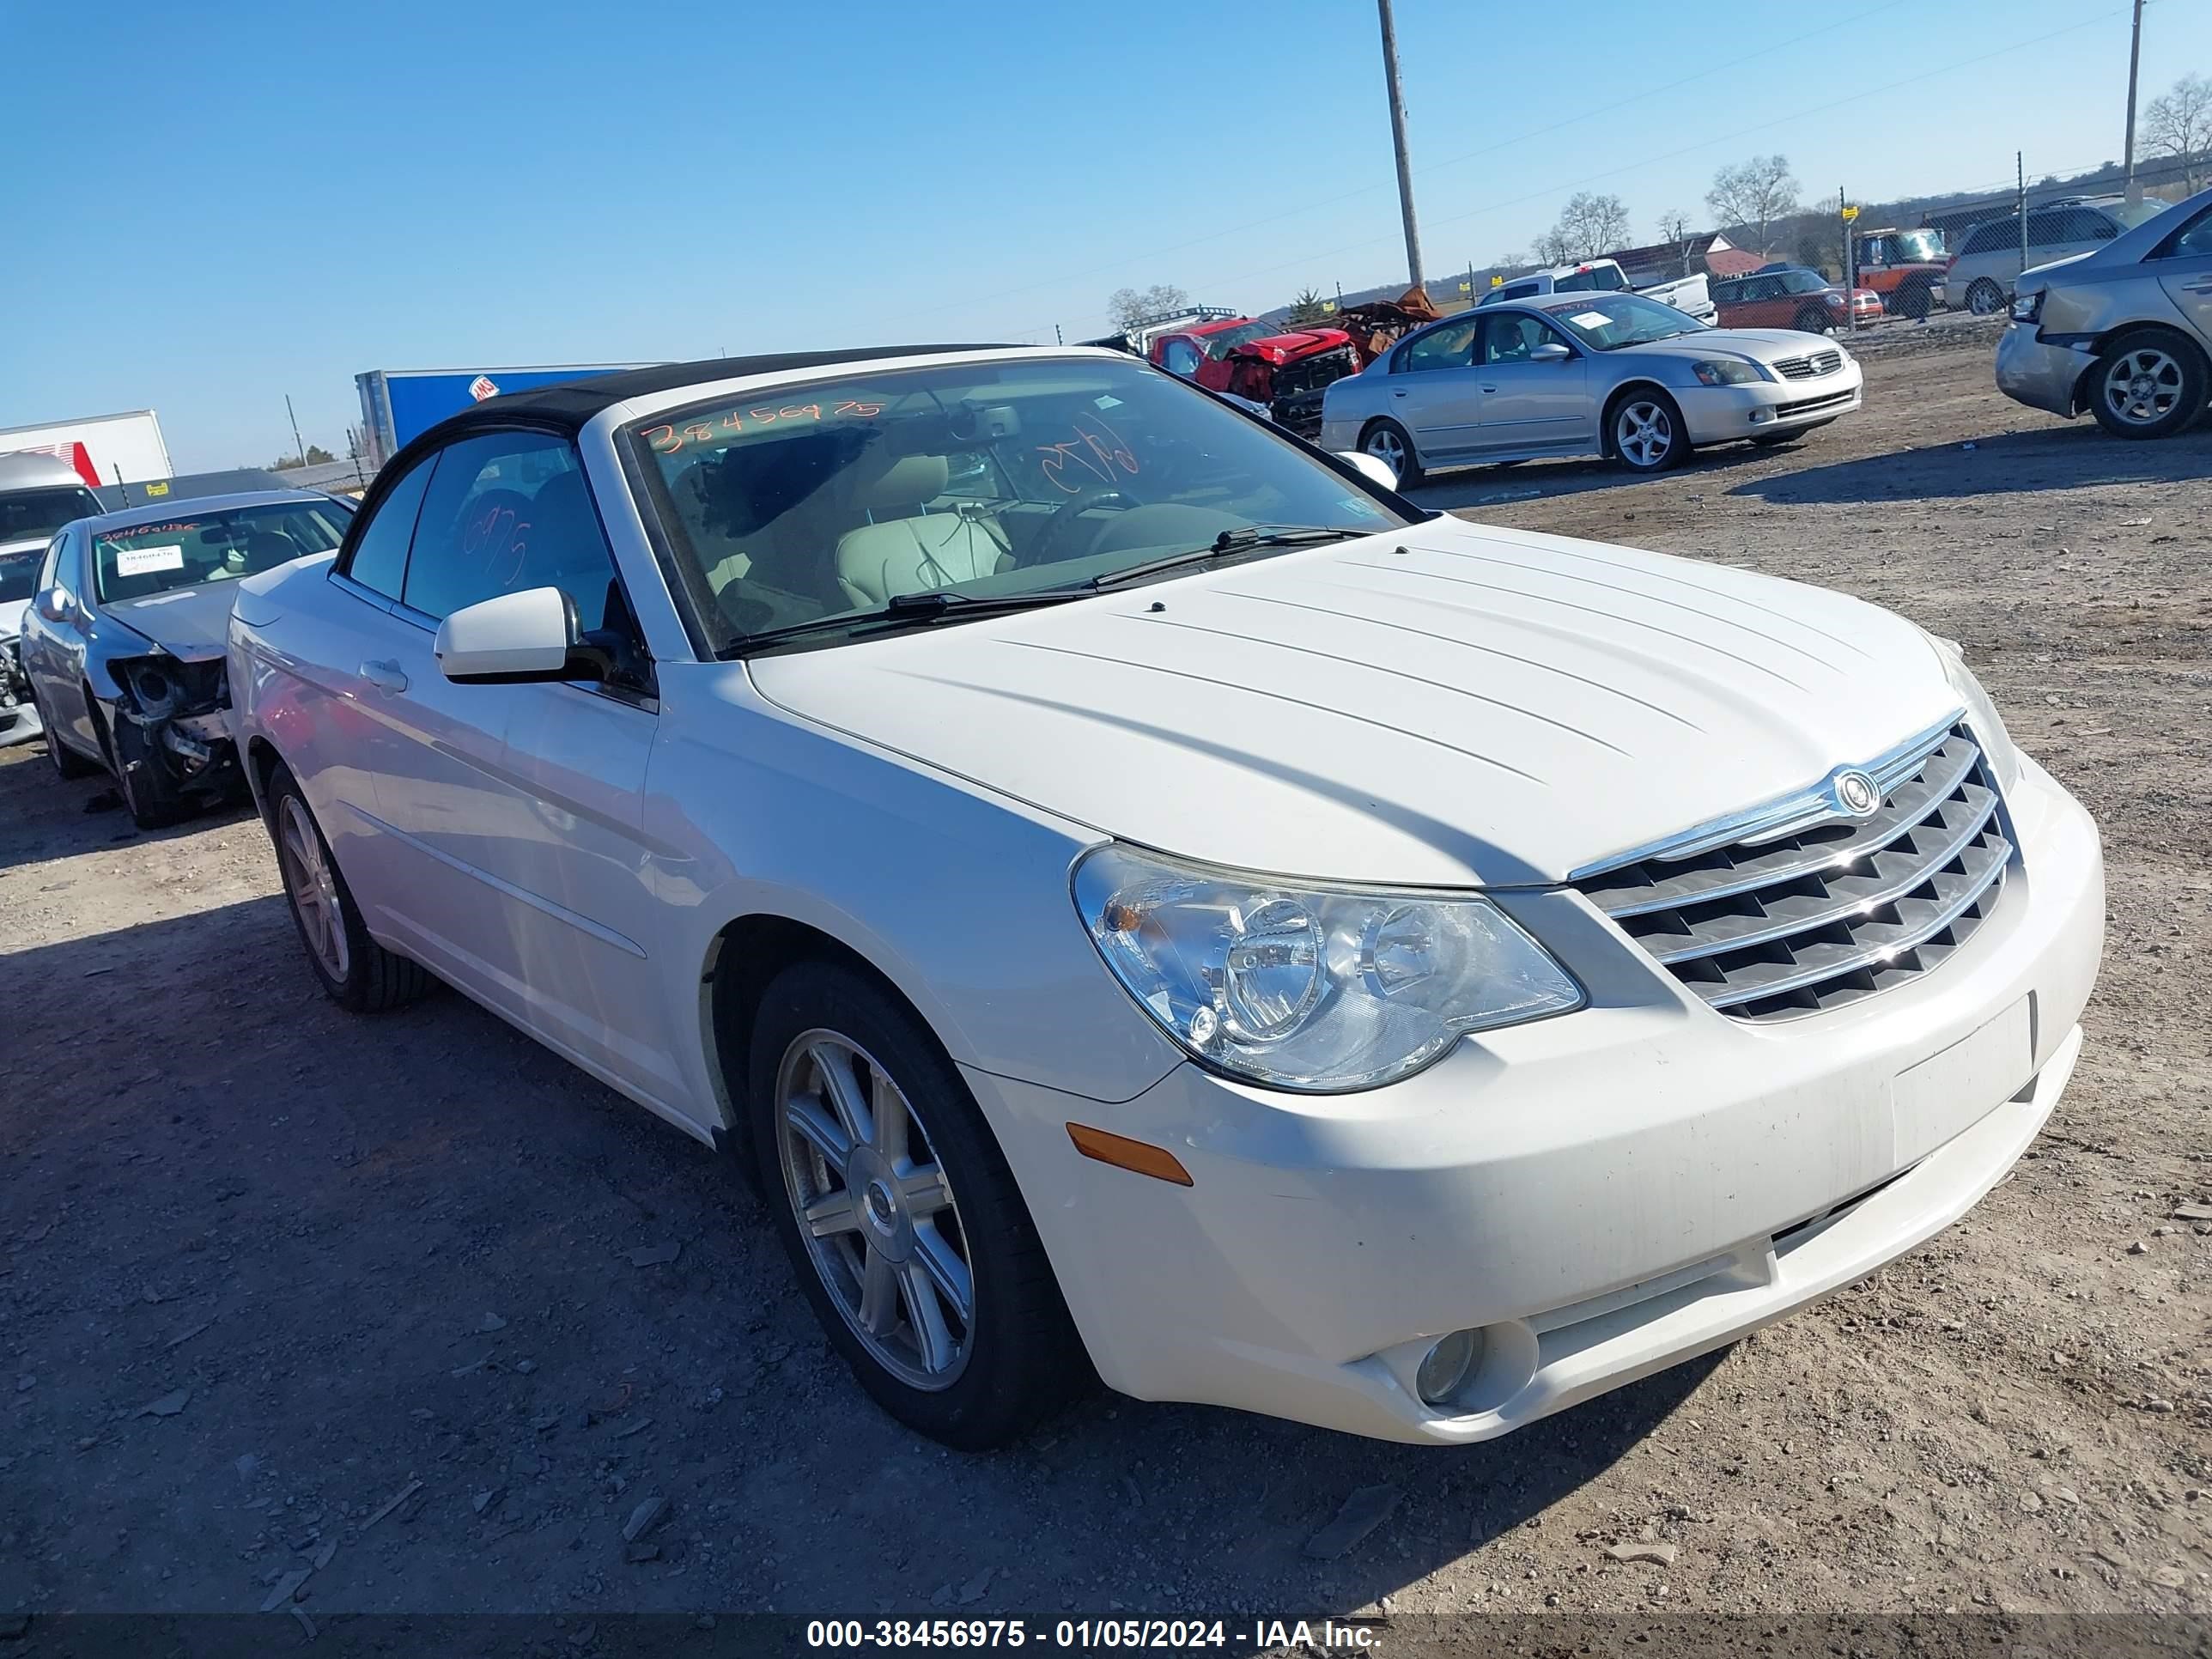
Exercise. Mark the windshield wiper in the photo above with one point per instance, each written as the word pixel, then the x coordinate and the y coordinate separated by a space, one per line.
pixel 1243 539
pixel 909 610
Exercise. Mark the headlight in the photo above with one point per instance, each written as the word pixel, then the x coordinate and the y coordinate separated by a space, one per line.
pixel 2027 307
pixel 1834 298
pixel 1313 988
pixel 1982 717
pixel 1727 371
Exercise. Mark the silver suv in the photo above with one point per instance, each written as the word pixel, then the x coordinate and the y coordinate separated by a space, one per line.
pixel 1980 279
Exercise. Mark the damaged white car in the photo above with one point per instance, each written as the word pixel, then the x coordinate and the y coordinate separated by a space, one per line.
pixel 123 641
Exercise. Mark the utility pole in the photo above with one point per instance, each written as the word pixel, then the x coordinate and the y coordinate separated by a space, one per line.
pixel 297 448
pixel 1398 142
pixel 2019 169
pixel 2134 59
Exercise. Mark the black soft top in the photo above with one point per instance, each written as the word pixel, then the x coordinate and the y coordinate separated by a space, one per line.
pixel 571 405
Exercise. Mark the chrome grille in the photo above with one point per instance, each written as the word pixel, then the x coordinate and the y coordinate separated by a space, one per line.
pixel 1808 909
pixel 1809 367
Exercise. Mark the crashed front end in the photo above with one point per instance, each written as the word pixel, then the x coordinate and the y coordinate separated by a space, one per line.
pixel 171 725
pixel 1298 387
pixel 19 715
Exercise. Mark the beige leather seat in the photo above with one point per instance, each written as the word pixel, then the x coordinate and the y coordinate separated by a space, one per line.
pixel 915 551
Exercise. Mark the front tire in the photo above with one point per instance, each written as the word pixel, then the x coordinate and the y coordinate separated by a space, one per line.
pixel 1389 443
pixel 903 1223
pixel 1985 298
pixel 1810 321
pixel 1913 302
pixel 1645 429
pixel 2150 383
pixel 69 765
pixel 356 973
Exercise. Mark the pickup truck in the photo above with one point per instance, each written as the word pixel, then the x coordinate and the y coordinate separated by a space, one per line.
pixel 1690 294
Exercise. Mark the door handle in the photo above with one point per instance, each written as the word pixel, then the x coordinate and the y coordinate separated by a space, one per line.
pixel 1490 388
pixel 384 676
pixel 1398 392
pixel 2203 285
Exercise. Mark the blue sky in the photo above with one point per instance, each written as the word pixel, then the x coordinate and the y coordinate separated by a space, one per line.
pixel 212 205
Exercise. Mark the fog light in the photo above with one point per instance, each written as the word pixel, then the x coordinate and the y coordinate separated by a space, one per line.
pixel 1757 415
pixel 1446 1365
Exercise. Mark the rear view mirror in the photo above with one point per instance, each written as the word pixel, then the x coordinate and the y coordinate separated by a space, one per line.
pixel 1376 470
pixel 1550 352
pixel 516 639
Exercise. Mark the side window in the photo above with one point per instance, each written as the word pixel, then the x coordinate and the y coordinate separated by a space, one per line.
pixel 1509 338
pixel 1447 347
pixel 378 559
pixel 506 512
pixel 2192 241
pixel 2097 227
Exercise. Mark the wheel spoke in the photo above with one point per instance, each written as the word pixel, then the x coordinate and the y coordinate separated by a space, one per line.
pixel 946 1271
pixel 931 1337
pixel 833 1213
pixel 887 1108
pixel 879 1296
pixel 924 1191
pixel 807 1116
pixel 842 1086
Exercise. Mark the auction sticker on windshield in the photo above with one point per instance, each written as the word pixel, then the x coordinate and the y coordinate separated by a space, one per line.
pixel 1590 319
pixel 145 561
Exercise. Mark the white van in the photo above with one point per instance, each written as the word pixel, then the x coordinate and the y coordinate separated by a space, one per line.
pixel 1980 278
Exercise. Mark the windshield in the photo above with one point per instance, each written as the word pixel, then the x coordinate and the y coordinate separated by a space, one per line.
pixel 27 512
pixel 144 559
pixel 2132 214
pixel 1608 322
pixel 1218 346
pixel 978 480
pixel 19 574
pixel 1803 281
pixel 1605 277
pixel 1917 247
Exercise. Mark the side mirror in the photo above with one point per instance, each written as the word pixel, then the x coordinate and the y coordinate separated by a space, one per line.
pixel 1374 468
pixel 517 639
pixel 1550 352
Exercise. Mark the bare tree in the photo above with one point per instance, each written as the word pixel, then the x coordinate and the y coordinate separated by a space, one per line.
pixel 1752 195
pixel 2179 123
pixel 1674 230
pixel 1589 226
pixel 1129 306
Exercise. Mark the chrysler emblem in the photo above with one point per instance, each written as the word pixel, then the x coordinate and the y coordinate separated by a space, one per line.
pixel 1856 794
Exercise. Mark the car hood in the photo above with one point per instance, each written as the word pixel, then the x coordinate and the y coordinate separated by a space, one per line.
pixel 1299 343
pixel 1761 345
pixel 2035 277
pixel 1446 705
pixel 191 623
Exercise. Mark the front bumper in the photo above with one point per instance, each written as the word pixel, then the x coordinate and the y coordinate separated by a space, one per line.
pixel 1603 1194
pixel 2032 371
pixel 1720 414
pixel 19 715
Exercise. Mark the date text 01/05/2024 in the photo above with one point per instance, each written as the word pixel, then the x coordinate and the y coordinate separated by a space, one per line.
pixel 1086 1634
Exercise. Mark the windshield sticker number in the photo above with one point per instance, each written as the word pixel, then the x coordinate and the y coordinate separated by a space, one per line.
pixel 1096 449
pixel 671 441
pixel 146 560
pixel 1591 319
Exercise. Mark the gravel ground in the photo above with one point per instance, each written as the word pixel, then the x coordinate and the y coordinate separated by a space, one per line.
pixel 407 1305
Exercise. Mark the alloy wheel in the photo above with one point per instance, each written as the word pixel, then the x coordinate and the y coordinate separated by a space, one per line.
pixel 1383 444
pixel 1643 432
pixel 875 1209
pixel 314 888
pixel 1985 299
pixel 2142 386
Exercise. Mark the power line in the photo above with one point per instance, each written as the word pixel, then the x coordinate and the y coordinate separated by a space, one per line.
pixel 1126 261
pixel 1734 134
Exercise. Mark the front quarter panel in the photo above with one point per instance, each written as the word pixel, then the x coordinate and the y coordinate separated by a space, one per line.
pixel 958 896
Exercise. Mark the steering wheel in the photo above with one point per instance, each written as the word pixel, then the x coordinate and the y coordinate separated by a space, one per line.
pixel 1046 549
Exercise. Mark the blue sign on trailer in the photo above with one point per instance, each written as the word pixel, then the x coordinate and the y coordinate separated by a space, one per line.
pixel 399 404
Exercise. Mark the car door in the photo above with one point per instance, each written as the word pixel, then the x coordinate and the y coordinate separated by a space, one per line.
pixel 1434 391
pixel 53 643
pixel 1768 303
pixel 1528 403
pixel 2182 264
pixel 520 806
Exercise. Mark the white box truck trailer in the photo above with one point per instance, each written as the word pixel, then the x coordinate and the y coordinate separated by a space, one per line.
pixel 104 449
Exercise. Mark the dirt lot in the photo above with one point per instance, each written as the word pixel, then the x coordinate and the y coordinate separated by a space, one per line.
pixel 284 1289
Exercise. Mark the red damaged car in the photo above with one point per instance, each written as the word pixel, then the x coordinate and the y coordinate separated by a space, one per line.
pixel 1281 369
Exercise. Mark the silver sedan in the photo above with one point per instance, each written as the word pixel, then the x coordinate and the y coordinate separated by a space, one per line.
pixel 1610 374
pixel 2125 332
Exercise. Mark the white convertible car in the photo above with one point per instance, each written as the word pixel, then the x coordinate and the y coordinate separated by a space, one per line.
pixel 1143 899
